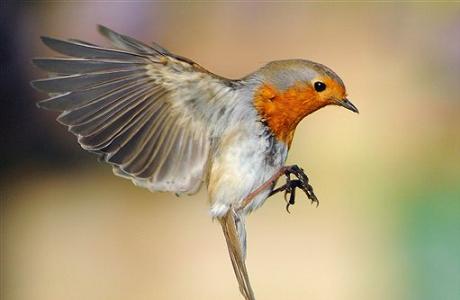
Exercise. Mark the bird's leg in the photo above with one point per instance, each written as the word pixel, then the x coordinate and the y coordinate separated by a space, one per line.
pixel 304 184
pixel 289 187
pixel 267 184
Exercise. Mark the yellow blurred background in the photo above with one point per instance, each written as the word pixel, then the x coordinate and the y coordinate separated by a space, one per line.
pixel 388 179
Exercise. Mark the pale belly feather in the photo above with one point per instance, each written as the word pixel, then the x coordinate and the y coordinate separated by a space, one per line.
pixel 244 160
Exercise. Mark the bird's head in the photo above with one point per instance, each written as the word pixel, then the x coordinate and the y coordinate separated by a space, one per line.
pixel 289 90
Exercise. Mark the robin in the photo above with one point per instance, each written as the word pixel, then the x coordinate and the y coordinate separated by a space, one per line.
pixel 167 124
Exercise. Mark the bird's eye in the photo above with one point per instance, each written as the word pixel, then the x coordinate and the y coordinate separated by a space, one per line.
pixel 320 86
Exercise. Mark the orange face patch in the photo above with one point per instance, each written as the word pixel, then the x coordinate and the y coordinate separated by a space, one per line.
pixel 333 90
pixel 283 110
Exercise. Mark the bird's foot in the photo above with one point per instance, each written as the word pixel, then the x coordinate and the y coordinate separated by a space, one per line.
pixel 291 185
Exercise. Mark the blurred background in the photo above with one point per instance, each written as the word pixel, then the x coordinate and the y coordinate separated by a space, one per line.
pixel 388 226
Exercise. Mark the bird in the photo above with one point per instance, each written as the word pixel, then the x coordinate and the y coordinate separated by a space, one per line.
pixel 169 125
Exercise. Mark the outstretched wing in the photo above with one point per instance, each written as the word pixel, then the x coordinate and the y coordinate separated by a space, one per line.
pixel 142 108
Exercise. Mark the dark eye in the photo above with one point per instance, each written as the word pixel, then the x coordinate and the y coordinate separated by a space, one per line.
pixel 320 86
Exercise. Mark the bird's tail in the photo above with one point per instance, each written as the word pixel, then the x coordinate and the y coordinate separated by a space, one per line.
pixel 235 249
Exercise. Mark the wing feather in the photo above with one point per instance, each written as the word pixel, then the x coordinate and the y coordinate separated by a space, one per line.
pixel 129 44
pixel 164 147
pixel 86 50
pixel 125 139
pixel 97 135
pixel 104 117
pixel 67 66
pixel 78 82
pixel 102 102
pixel 142 108
pixel 146 147
pixel 70 101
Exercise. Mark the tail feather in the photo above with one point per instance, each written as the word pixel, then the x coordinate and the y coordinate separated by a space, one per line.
pixel 229 227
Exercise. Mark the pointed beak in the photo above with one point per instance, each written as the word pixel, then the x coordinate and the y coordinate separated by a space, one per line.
pixel 348 105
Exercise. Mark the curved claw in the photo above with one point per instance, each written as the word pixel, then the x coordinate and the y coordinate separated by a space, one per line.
pixel 290 186
pixel 290 190
pixel 315 200
pixel 286 193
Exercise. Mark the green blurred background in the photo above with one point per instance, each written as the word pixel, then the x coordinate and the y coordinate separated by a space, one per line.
pixel 388 226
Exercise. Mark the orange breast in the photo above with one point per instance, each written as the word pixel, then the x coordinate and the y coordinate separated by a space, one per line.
pixel 283 110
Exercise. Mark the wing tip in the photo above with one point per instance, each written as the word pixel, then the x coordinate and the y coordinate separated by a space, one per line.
pixel 39 105
pixel 53 103
pixel 107 32
pixel 48 40
pixel 40 85
pixel 33 84
pixel 42 105
pixel 53 43
pixel 43 64
pixel 103 29
pixel 37 62
pixel 43 38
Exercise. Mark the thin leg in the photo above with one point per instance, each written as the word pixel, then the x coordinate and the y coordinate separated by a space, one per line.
pixel 301 182
pixel 290 186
